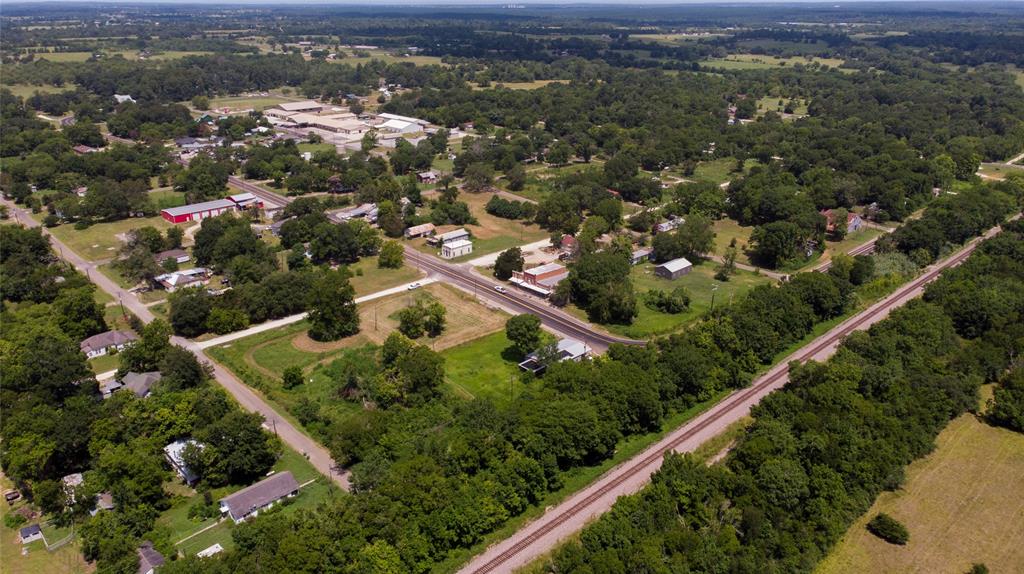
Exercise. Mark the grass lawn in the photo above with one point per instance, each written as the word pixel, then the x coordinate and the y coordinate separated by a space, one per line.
pixel 314 148
pixel 961 504
pixel 720 170
pixel 759 62
pixel 127 54
pixel 165 198
pixel 771 104
pixel 728 229
pixel 34 558
pixel 104 363
pixel 28 90
pixel 101 241
pixel 480 369
pixel 246 103
pixel 389 58
pixel 521 85
pixel 999 170
pixel 698 284
pixel 368 278
pixel 491 234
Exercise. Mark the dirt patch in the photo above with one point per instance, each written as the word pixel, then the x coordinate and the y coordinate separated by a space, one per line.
pixel 466 318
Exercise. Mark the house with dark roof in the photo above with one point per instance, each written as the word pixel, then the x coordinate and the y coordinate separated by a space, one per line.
pixel 178 255
pixel 103 343
pixel 149 558
pixel 564 350
pixel 30 533
pixel 141 383
pixel 252 499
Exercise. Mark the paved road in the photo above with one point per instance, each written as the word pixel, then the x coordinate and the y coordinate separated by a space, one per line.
pixel 559 522
pixel 514 300
pixel 246 397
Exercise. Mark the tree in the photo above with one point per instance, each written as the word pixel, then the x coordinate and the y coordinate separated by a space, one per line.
pixel 223 320
pixel 201 102
pixel 241 450
pixel 839 216
pixel 776 242
pixel 147 353
pixel 174 238
pixel 332 308
pixel 479 177
pixel 559 153
pixel 190 310
pixel 392 255
pixel 181 369
pixel 292 377
pixel 368 142
pixel 78 313
pixel 889 529
pixel 524 333
pixel 516 177
pixel 508 261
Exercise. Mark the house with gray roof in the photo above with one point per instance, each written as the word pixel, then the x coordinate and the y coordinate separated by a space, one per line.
pixel 264 494
pixel 30 533
pixel 149 558
pixel 141 383
pixel 103 343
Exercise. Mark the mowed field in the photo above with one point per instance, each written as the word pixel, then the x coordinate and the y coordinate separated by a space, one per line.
pixel 28 90
pixel 763 62
pixel 247 103
pixel 102 240
pixel 962 505
pixel 126 54
pixel 521 85
pixel 34 558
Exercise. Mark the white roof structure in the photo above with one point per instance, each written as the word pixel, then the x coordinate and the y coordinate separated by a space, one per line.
pixel 546 268
pixel 676 264
pixel 182 277
pixel 400 126
pixel 300 106
pixel 215 549
pixel 403 119
pixel 453 235
pixel 175 453
pixel 458 244
pixel 199 207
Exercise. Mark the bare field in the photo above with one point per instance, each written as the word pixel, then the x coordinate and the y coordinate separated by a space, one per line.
pixel 962 505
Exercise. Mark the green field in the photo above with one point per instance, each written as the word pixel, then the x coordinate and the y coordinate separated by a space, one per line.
pixel 728 229
pixel 698 283
pixel 165 198
pixel 760 62
pixel 482 369
pixel 314 148
pixel 368 277
pixel 771 104
pixel 521 85
pixel 961 504
pixel 245 103
pixel 720 170
pixel 100 241
pixel 126 54
pixel 390 59
pixel 27 90
pixel 104 363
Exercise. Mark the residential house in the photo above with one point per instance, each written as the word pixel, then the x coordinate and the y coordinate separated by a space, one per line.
pixel 30 533
pixel 367 211
pixel 193 277
pixel 83 149
pixel 275 227
pixel 457 248
pixel 541 280
pixel 569 246
pixel 419 230
pixel 149 558
pixel 141 383
pixel 640 255
pixel 122 98
pixel 103 343
pixel 666 226
pixel 427 177
pixel 81 191
pixel 178 255
pixel 854 222
pixel 673 269
pixel 174 453
pixel 197 211
pixel 104 501
pixel 565 350
pixel 252 499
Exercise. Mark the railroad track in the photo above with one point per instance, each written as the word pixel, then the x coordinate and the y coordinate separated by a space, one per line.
pixel 725 409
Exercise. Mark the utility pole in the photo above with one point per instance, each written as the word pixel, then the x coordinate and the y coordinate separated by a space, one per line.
pixel 714 287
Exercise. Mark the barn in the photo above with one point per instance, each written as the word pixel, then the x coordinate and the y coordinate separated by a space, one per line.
pixel 197 211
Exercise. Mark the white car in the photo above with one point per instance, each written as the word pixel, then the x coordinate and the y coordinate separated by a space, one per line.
pixel 413 286
pixel 499 288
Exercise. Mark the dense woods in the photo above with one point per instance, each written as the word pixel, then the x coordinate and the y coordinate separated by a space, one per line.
pixel 821 449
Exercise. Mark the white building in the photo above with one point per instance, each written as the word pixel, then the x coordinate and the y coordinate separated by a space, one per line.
pixel 457 248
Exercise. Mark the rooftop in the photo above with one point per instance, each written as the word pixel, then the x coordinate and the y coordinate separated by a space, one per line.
pixel 107 339
pixel 546 268
pixel 141 383
pixel 149 558
pixel 260 494
pixel 296 106
pixel 676 264
pixel 197 207
pixel 458 243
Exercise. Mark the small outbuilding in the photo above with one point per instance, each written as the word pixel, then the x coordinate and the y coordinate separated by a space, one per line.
pixel 30 533
pixel 673 269
pixel 425 229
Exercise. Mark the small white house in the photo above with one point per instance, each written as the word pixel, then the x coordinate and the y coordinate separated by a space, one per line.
pixel 30 534
pixel 174 453
pixel 456 248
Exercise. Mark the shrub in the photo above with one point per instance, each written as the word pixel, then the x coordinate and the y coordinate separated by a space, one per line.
pixel 673 303
pixel 889 529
